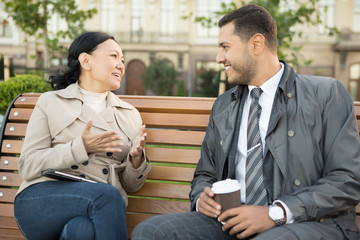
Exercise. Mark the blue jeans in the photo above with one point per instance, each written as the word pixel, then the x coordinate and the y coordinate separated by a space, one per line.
pixel 71 210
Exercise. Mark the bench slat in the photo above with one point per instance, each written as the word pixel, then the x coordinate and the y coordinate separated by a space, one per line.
pixel 8 195
pixel 156 206
pixel 11 234
pixel 9 163
pixel 183 174
pixel 8 222
pixel 170 104
pixel 15 129
pixel 20 114
pixel 164 190
pixel 10 179
pixel 26 101
pixel 11 146
pixel 182 121
pixel 152 103
pixel 7 210
pixel 173 155
pixel 174 137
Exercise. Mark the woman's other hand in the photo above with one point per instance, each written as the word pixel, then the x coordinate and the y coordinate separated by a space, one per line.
pixel 137 147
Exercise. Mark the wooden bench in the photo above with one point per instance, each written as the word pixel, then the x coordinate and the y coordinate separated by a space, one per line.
pixel 175 126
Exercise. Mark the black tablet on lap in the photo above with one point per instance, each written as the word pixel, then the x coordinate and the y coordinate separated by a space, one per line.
pixel 63 176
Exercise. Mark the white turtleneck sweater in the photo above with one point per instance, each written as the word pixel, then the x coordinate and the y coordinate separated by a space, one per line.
pixel 96 101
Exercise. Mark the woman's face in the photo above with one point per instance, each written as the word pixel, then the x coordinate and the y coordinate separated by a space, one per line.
pixel 105 68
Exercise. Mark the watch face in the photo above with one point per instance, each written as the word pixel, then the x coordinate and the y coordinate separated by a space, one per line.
pixel 276 213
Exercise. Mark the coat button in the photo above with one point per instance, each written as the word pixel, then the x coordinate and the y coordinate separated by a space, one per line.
pixel 85 163
pixel 221 143
pixel 105 171
pixel 109 154
pixel 140 177
pixel 289 95
pixel 291 133
pixel 297 182
pixel 74 167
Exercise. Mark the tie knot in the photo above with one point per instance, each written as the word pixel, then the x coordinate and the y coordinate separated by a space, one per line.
pixel 255 93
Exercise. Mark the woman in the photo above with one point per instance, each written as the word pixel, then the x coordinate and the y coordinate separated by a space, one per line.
pixel 82 129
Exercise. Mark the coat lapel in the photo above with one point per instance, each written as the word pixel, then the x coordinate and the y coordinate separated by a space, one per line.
pixel 228 124
pixel 88 113
pixel 122 119
pixel 69 110
pixel 277 137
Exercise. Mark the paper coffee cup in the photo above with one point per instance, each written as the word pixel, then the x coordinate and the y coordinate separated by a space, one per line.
pixel 227 193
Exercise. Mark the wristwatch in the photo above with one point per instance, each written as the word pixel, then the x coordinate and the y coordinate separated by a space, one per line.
pixel 276 213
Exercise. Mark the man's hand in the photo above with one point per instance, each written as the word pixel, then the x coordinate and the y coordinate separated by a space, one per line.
pixel 107 141
pixel 246 220
pixel 207 205
pixel 137 148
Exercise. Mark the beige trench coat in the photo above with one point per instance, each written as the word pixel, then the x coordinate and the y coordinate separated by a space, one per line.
pixel 53 140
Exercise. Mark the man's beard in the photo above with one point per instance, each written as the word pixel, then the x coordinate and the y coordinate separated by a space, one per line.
pixel 245 71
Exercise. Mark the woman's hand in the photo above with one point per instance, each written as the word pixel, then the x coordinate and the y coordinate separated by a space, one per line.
pixel 137 148
pixel 107 141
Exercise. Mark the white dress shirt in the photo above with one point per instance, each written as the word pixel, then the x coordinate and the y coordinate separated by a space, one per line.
pixel 266 102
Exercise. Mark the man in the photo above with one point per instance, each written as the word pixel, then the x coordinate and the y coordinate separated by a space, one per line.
pixel 298 131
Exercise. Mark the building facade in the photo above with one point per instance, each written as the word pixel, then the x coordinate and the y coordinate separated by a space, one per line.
pixel 150 29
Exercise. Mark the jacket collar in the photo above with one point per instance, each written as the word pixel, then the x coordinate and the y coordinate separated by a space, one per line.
pixel 73 92
pixel 82 111
pixel 287 80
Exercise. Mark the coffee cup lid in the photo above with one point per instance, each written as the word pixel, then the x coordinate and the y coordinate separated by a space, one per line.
pixel 225 186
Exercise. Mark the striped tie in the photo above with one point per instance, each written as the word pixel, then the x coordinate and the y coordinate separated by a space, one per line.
pixel 255 188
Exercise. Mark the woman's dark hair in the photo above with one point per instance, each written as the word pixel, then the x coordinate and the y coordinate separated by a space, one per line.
pixel 86 42
pixel 251 19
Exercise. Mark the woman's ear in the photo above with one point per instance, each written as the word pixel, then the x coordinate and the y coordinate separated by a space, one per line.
pixel 84 61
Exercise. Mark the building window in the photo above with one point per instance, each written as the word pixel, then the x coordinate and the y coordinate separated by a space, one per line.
pixel 205 8
pixel 355 81
pixel 5 29
pixel 137 20
pixel 356 26
pixel 327 15
pixel 108 18
pixel 167 19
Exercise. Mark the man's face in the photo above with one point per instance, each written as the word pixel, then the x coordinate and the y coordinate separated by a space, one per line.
pixel 234 54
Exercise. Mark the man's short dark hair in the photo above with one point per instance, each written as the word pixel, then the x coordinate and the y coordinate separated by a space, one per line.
pixel 251 19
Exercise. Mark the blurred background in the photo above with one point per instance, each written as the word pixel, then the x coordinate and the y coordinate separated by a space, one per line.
pixel 170 45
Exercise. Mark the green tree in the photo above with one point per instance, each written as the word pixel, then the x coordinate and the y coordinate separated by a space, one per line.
pixel 304 12
pixel 160 77
pixel 207 84
pixel 32 17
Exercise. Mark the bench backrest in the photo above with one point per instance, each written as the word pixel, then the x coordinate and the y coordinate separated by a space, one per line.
pixel 175 126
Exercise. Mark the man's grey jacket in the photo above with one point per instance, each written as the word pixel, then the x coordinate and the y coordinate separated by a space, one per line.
pixel 312 152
